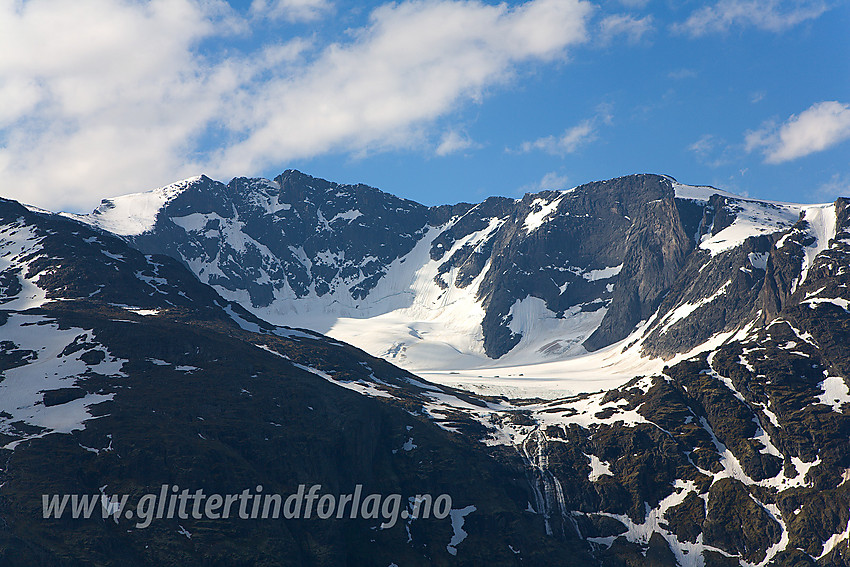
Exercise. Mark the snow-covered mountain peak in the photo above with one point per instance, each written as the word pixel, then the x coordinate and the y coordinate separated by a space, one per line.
pixel 136 213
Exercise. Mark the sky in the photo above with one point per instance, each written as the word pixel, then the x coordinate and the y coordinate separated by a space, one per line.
pixel 439 101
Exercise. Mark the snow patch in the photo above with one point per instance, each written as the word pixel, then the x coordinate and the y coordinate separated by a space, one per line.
pixel 814 302
pixel 134 214
pixel 545 335
pixel 822 225
pixel 835 392
pixel 458 519
pixel 598 468
pixel 686 309
pixel 22 389
pixel 347 215
pixel 541 210
pixel 603 274
pixel 700 193
pixel 758 260
pixel 19 246
pixel 752 218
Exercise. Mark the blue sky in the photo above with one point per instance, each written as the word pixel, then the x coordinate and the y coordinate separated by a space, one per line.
pixel 434 100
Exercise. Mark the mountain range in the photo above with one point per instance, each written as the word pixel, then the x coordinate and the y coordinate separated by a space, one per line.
pixel 630 372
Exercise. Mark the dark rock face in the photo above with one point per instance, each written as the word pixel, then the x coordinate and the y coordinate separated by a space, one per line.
pixel 686 519
pixel 589 230
pixel 740 451
pixel 627 248
pixel 295 232
pixel 96 265
pixel 728 279
pixel 736 524
pixel 754 439
pixel 656 249
pixel 250 417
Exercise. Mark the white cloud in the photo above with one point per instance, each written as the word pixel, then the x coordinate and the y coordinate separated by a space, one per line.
pixel 632 28
pixel 454 141
pixel 757 96
pixel 573 138
pixel 104 93
pixel 568 142
pixel 837 186
pixel 291 10
pixel 712 151
pixel 768 15
pixel 102 97
pixel 817 128
pixel 413 63
pixel 704 146
pixel 551 181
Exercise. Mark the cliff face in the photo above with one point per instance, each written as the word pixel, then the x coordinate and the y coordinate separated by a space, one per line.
pixel 656 250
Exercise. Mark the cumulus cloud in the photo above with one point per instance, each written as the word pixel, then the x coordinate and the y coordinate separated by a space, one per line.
pixel 704 146
pixel 107 96
pixel 413 63
pixel 817 128
pixel 625 25
pixel 103 93
pixel 553 180
pixel 768 15
pixel 757 96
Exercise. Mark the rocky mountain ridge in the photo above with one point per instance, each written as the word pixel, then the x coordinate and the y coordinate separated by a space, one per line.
pixel 543 278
